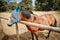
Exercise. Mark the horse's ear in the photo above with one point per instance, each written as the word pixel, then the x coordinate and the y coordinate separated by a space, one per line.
pixel 17 9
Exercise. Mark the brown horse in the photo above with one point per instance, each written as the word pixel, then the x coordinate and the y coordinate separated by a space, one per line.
pixel 46 19
pixel 28 16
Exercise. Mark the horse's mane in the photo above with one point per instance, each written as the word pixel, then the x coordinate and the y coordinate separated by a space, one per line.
pixel 27 10
pixel 26 13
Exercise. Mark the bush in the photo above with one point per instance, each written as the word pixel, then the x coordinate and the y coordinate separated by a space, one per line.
pixel 3 6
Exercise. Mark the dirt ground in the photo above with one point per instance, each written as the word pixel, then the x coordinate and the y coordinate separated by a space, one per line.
pixel 24 33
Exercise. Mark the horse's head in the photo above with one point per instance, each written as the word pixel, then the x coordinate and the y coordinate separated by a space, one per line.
pixel 17 15
pixel 25 15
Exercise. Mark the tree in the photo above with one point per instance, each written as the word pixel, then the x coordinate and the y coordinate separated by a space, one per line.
pixel 27 4
pixel 57 4
pixel 11 6
pixel 38 5
pixel 3 6
pixel 47 5
pixel 43 5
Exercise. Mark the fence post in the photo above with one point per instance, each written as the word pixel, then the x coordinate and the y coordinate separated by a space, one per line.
pixel 17 32
pixel 1 25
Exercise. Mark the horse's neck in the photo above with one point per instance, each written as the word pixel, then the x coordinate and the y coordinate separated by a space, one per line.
pixel 31 18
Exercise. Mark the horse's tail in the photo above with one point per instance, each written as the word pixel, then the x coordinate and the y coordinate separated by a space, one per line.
pixel 54 25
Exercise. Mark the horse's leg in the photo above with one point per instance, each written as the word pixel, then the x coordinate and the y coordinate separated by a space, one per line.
pixel 48 34
pixel 36 37
pixel 55 25
pixel 32 36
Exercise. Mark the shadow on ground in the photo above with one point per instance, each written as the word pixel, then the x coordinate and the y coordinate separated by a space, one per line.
pixel 27 36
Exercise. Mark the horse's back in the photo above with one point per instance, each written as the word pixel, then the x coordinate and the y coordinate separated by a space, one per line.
pixel 46 19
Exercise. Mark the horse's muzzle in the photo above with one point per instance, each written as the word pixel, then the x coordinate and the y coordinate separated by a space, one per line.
pixel 9 25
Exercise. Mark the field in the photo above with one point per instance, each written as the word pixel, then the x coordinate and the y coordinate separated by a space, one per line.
pixel 24 33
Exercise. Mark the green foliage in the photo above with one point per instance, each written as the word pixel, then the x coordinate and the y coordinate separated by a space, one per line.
pixel 40 5
pixel 27 4
pixel 47 5
pixel 11 6
pixel 3 6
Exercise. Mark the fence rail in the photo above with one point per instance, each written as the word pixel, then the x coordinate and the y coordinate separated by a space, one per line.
pixel 56 29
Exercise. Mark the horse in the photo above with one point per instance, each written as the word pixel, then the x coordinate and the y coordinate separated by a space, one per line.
pixel 28 16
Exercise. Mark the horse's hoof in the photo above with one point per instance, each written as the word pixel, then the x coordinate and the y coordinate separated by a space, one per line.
pixel 46 37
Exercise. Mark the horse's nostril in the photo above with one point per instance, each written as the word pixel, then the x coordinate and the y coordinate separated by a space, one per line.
pixel 9 25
